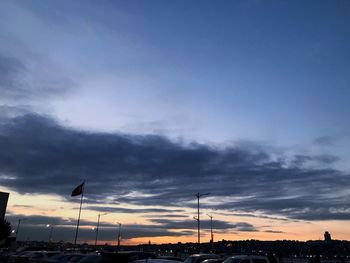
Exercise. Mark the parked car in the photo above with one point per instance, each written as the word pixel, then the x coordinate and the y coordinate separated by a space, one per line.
pixel 155 260
pixel 40 256
pixel 19 256
pixel 120 257
pixel 65 258
pixel 31 256
pixel 247 259
pixel 170 258
pixel 198 258
pixel 213 260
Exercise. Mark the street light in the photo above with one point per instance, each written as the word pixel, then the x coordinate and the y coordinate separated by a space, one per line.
pixel 119 234
pixel 198 195
pixel 19 224
pixel 50 234
pixel 98 224
pixel 211 229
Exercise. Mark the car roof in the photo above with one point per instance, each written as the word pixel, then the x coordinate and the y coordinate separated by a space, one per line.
pixel 249 256
pixel 204 255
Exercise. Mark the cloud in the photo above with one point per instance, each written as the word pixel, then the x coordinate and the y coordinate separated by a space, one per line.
pixel 326 159
pixel 23 82
pixel 324 140
pixel 34 226
pixel 205 224
pixel 10 69
pixel 166 216
pixel 132 210
pixel 40 156
pixel 260 216
pixel 274 231
pixel 23 206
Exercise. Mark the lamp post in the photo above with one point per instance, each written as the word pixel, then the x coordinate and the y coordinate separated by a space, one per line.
pixel 19 224
pixel 50 233
pixel 198 195
pixel 211 228
pixel 98 224
pixel 119 234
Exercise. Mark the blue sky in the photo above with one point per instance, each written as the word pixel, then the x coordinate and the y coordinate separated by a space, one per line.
pixel 263 70
pixel 246 73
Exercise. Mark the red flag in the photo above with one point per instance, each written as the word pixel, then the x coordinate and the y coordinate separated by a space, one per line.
pixel 78 190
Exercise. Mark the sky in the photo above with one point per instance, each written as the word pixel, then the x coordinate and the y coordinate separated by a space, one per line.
pixel 154 101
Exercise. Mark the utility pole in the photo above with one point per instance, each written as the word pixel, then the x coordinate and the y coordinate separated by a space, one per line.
pixel 119 235
pixel 198 195
pixel 98 224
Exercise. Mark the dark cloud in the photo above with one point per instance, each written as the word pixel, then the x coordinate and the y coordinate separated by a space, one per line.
pixel 86 234
pixel 38 155
pixel 166 216
pixel 274 231
pixel 40 220
pixel 132 210
pixel 192 224
pixel 327 159
pixel 260 216
pixel 245 227
pixel 34 227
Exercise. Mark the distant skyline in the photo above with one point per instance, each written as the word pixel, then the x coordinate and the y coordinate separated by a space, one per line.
pixel 154 101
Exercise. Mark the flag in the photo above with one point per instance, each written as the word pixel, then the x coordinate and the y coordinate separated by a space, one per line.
pixel 78 190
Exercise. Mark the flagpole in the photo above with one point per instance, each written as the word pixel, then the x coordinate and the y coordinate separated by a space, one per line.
pixel 76 231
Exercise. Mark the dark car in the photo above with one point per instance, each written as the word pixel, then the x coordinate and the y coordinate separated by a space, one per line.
pixel 120 257
pixel 198 258
pixel 213 260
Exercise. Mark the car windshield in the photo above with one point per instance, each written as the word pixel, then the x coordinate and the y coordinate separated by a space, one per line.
pixel 89 259
pixel 76 258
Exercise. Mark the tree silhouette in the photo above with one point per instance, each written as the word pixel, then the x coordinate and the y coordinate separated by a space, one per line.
pixel 5 229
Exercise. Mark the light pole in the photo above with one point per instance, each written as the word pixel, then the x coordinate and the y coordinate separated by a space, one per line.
pixel 50 233
pixel 98 224
pixel 211 233
pixel 19 224
pixel 198 195
pixel 119 234
pixel 211 229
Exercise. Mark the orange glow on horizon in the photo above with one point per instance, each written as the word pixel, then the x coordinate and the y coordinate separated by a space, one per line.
pixel 268 229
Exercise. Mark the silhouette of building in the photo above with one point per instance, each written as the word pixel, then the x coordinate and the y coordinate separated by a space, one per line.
pixel 327 236
pixel 3 204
